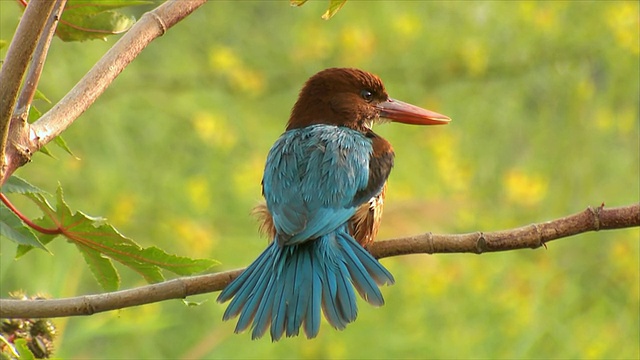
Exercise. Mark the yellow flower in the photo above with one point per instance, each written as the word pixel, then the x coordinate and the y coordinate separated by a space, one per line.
pixel 226 63
pixel 213 130
pixel 452 172
pixel 224 59
pixel 247 177
pixel 524 189
pixel 541 15
pixel 406 25
pixel 357 43
pixel 198 192
pixel 194 236
pixel 622 18
pixel 123 209
pixel 475 57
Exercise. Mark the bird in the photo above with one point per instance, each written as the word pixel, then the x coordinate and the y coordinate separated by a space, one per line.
pixel 324 184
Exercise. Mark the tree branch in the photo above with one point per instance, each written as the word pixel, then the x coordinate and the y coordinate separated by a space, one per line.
pixel 531 236
pixel 18 58
pixel 37 63
pixel 150 26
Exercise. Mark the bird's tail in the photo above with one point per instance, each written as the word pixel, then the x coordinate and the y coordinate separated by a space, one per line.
pixel 287 286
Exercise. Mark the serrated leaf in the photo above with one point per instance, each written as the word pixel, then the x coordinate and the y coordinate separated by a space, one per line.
pixel 100 243
pixel 87 20
pixel 334 7
pixel 45 222
pixel 12 228
pixel 101 267
pixel 43 238
pixel 58 140
pixel 18 185
pixel 177 264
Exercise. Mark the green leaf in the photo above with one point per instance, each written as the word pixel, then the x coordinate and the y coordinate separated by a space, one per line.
pixel 39 95
pixel 58 140
pixel 100 244
pixel 193 303
pixel 45 150
pixel 23 350
pixel 87 20
pixel 44 239
pixel 101 267
pixel 176 264
pixel 19 185
pixel 3 44
pixel 12 228
pixel 334 7
pixel 34 114
pixel 45 222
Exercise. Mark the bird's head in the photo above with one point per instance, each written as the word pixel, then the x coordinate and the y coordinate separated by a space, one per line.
pixel 355 99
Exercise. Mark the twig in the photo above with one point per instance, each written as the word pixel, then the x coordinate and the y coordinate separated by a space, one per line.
pixel 531 236
pixel 150 26
pixel 37 63
pixel 17 60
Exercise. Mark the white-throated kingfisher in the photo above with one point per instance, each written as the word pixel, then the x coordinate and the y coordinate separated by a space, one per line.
pixel 324 184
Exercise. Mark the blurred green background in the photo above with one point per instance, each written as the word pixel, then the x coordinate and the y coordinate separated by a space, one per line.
pixel 544 101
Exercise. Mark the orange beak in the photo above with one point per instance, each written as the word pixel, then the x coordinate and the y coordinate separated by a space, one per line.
pixel 398 111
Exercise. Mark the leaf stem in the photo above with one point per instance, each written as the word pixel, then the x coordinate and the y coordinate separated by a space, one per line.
pixel 27 221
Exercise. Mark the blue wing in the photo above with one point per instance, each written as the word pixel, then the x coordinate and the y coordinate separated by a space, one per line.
pixel 311 178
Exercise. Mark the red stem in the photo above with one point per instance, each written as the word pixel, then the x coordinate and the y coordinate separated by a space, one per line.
pixel 26 220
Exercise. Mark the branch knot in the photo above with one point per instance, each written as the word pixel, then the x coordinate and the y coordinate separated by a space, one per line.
pixel 160 21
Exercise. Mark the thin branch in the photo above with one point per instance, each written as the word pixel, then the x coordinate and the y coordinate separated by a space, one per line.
pixel 532 236
pixel 17 60
pixel 37 63
pixel 150 26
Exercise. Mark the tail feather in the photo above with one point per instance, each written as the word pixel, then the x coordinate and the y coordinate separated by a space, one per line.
pixel 278 319
pixel 242 287
pixel 312 317
pixel 298 308
pixel 288 287
pixel 293 288
pixel 251 305
pixel 379 274
pixel 264 312
pixel 329 294
pixel 364 270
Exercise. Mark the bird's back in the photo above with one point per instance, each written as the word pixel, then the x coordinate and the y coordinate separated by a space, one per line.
pixel 311 179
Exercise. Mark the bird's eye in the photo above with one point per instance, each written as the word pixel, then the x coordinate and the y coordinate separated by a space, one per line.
pixel 366 95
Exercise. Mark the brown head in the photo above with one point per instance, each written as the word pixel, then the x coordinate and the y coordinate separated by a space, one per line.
pixel 355 99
